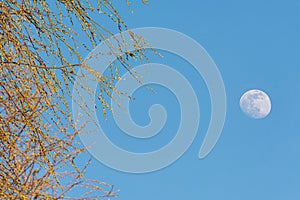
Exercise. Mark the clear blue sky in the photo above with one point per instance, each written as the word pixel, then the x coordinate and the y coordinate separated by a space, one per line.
pixel 255 44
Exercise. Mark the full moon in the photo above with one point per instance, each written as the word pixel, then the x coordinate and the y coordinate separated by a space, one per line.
pixel 256 104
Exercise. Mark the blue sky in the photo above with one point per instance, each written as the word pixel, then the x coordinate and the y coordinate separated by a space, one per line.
pixel 255 44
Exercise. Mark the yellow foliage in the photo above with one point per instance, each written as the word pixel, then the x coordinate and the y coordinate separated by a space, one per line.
pixel 37 134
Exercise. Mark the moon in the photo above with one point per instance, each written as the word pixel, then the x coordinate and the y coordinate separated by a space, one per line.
pixel 255 104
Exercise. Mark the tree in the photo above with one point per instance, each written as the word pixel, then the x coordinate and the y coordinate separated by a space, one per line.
pixel 39 54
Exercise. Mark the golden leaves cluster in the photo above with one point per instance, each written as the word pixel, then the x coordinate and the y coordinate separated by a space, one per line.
pixel 39 54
